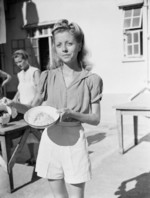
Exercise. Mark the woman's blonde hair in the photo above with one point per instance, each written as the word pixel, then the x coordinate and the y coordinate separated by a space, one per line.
pixel 22 53
pixel 76 31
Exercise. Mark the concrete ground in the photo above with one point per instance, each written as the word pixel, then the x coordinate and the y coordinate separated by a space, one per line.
pixel 114 175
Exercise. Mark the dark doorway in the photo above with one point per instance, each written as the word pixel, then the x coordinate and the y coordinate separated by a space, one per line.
pixel 43 53
pixel 0 61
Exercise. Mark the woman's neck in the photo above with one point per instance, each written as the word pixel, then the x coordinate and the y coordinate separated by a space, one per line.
pixel 26 68
pixel 70 73
pixel 71 68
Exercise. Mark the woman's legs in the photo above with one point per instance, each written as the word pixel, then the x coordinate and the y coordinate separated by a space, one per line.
pixel 58 188
pixel 76 190
pixel 31 161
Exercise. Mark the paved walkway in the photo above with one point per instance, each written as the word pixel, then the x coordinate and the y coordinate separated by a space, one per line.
pixel 114 175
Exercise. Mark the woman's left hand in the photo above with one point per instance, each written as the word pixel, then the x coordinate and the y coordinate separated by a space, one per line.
pixel 64 113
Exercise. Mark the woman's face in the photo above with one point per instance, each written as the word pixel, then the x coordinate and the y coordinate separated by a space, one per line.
pixel 21 63
pixel 67 48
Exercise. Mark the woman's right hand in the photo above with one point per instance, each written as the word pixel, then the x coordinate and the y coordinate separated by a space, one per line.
pixel 65 113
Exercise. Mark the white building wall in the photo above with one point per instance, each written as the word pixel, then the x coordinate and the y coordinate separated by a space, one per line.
pixel 102 25
pixel 101 22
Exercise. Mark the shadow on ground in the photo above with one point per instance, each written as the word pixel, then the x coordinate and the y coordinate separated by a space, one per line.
pixel 146 138
pixel 136 187
pixel 93 139
pixel 33 179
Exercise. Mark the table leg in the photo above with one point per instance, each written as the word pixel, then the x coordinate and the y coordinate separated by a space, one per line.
pixel 6 153
pixel 119 117
pixel 135 125
pixel 37 133
pixel 18 148
pixel 3 147
pixel 13 157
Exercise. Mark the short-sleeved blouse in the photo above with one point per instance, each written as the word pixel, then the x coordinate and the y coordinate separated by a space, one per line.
pixel 26 87
pixel 78 96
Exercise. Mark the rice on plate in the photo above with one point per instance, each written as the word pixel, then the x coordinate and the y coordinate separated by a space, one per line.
pixel 41 116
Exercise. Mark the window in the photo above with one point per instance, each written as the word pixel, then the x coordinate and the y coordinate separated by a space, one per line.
pixel 40 37
pixel 132 18
pixel 133 32
pixel 41 44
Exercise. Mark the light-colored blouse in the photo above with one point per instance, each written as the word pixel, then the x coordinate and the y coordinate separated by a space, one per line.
pixel 81 93
pixel 26 87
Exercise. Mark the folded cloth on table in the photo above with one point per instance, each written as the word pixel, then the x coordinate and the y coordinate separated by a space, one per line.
pixel 12 111
pixel 3 106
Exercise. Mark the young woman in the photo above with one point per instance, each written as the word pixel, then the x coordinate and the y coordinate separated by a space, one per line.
pixel 28 79
pixel 76 93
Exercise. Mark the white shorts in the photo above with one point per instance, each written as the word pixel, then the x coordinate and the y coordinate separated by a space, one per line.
pixel 69 162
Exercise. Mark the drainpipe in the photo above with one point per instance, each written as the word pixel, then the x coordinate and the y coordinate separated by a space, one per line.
pixel 146 50
pixel 147 39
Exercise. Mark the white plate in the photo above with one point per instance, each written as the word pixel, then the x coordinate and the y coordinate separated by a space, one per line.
pixel 41 117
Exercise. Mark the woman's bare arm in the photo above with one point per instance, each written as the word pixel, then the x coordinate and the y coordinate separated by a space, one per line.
pixel 22 108
pixel 92 118
pixel 36 77
pixel 7 77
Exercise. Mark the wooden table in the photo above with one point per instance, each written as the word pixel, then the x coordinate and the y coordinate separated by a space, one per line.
pixel 134 109
pixel 9 132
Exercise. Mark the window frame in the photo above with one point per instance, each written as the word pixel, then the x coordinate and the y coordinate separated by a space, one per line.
pixel 36 35
pixel 37 32
pixel 132 17
pixel 132 44
pixel 139 29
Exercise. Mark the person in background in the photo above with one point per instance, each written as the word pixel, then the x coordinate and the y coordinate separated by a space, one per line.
pixel 5 78
pixel 76 93
pixel 28 79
